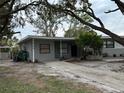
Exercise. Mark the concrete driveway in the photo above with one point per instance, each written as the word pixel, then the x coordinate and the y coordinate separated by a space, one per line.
pixel 106 80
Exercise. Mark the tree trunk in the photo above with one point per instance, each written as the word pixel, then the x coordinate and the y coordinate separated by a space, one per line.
pixel 115 37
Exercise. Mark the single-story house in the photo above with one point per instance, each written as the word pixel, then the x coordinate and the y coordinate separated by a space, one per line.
pixel 112 48
pixel 53 48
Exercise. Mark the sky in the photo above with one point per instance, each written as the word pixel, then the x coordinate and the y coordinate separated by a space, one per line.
pixel 112 21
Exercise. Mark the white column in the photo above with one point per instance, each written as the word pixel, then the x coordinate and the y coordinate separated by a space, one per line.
pixel 61 48
pixel 33 54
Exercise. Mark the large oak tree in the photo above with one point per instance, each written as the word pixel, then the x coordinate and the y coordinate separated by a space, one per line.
pixel 64 7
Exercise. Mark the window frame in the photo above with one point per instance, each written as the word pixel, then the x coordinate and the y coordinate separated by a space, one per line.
pixel 65 48
pixel 107 45
pixel 41 52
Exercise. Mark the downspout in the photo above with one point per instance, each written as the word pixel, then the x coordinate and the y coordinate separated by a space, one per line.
pixel 33 54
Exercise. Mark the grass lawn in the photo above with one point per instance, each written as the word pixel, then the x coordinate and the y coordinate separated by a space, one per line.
pixel 50 85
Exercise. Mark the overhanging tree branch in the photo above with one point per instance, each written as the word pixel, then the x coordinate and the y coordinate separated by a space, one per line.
pixel 109 11
pixel 34 3
pixel 120 5
pixel 7 17
pixel 104 30
pixel 4 3
pixel 101 29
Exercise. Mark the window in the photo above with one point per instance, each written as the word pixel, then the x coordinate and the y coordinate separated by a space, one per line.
pixel 108 44
pixel 4 49
pixel 104 44
pixel 65 49
pixel 44 48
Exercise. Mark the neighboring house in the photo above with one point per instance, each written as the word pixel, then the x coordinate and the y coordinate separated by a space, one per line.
pixel 112 48
pixel 53 48
pixel 4 52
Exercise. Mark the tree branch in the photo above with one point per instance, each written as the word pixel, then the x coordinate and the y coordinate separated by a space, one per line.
pixel 35 3
pixel 7 17
pixel 104 30
pixel 92 14
pixel 120 5
pixel 96 18
pixel 109 11
pixel 1 5
pixel 101 29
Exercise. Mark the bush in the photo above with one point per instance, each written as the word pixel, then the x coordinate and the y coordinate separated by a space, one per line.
pixel 21 56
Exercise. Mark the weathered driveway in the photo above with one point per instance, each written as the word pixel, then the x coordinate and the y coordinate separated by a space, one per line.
pixel 105 79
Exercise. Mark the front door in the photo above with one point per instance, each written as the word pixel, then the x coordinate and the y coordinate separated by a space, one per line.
pixel 74 51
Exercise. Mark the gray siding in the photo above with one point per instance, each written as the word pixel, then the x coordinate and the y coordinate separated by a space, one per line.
pixel 117 45
pixel 4 55
pixel 44 57
pixel 47 56
pixel 117 50
pixel 112 51
pixel 57 49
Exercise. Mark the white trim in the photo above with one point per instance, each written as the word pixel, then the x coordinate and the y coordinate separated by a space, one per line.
pixel 33 52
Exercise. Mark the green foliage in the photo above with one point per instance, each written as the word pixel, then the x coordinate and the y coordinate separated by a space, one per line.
pixel 90 40
pixel 12 43
pixel 75 31
pixel 9 42
pixel 47 21
pixel 76 27
pixel 22 56
pixel 11 15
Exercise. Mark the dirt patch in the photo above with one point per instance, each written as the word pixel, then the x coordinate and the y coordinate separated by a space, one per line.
pixel 27 73
pixel 24 72
pixel 94 73
pixel 119 69
pixel 89 74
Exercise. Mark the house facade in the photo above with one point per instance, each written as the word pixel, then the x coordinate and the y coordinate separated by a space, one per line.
pixel 53 48
pixel 49 48
pixel 112 48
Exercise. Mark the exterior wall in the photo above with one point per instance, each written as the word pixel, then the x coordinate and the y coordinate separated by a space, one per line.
pixel 5 53
pixel 27 45
pixel 117 45
pixel 117 50
pixel 46 56
pixel 4 56
pixel 57 49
